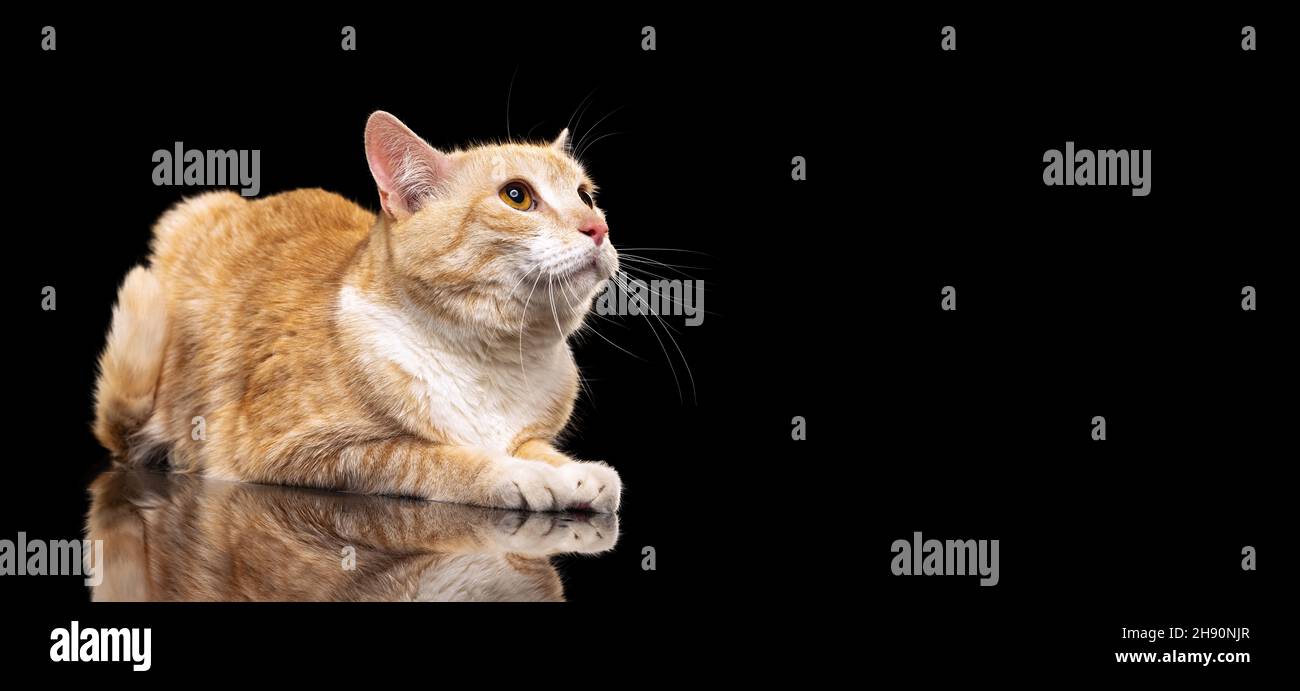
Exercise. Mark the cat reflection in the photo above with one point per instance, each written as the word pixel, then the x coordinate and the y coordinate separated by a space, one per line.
pixel 171 537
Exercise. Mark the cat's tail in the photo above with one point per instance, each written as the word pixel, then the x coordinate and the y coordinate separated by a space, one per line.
pixel 131 362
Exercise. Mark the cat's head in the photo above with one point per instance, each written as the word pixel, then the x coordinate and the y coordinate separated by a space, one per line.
pixel 507 234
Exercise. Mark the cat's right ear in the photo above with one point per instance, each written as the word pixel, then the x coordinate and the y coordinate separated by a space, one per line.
pixel 406 169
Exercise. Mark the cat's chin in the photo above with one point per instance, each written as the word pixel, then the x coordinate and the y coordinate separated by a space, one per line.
pixel 586 274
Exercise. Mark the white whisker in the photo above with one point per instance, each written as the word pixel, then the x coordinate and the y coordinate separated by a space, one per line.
pixel 662 347
pixel 522 321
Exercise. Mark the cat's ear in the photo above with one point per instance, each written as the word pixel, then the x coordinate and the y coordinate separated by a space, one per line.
pixel 406 169
pixel 561 142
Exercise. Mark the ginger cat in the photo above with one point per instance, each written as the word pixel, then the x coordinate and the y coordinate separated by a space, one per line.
pixel 174 537
pixel 302 340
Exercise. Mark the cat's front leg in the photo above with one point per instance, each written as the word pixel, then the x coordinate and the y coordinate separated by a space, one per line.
pixel 594 486
pixel 415 467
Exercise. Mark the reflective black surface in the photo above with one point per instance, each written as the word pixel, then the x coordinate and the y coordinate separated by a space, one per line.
pixel 172 537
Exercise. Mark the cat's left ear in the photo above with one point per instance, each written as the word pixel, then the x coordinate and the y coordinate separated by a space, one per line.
pixel 561 142
pixel 406 169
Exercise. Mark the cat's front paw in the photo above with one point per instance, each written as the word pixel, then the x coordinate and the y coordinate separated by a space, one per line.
pixel 593 486
pixel 538 486
pixel 555 533
pixel 531 486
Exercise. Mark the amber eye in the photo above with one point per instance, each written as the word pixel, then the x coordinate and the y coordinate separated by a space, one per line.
pixel 516 194
pixel 584 196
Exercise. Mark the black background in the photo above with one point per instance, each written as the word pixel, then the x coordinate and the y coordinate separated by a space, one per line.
pixel 924 171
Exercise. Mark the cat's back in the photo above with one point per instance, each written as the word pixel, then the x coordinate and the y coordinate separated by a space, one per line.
pixel 219 241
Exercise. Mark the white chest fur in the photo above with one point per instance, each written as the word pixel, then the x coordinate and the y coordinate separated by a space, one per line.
pixel 467 397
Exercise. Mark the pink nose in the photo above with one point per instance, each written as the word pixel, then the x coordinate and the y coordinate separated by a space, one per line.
pixel 594 229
